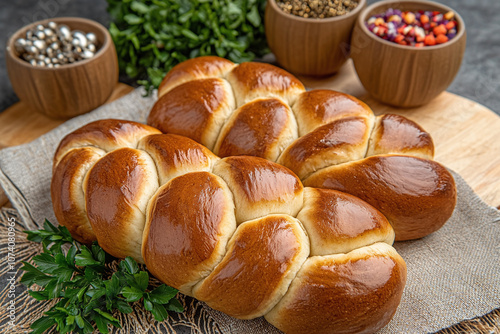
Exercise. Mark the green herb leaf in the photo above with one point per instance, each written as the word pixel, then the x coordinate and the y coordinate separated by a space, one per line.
pixel 130 265
pixel 162 294
pixel 131 294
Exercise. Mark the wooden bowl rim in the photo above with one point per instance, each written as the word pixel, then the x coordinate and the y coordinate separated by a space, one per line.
pixel 401 3
pixel 62 20
pixel 274 6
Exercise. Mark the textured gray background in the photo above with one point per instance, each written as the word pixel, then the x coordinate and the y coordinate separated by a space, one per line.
pixel 478 79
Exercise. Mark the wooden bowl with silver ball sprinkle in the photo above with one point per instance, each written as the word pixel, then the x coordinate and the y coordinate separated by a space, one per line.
pixel 68 87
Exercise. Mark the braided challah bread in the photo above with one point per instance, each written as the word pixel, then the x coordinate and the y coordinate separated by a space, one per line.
pixel 235 227
pixel 240 233
pixel 329 139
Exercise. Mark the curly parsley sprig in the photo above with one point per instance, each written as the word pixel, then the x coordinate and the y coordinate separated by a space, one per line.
pixel 87 291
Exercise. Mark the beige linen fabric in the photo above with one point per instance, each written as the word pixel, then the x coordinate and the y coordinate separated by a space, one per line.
pixel 453 274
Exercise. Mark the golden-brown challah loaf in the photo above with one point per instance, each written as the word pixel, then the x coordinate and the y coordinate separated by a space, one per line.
pixel 329 139
pixel 236 228
pixel 240 233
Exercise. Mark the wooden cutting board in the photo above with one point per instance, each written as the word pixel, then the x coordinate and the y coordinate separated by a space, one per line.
pixel 466 134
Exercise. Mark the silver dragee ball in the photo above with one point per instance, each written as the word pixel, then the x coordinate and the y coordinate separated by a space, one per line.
pixel 91 47
pixel 48 32
pixel 40 45
pixel 40 34
pixel 64 33
pixel 92 38
pixel 87 54
pixel 32 50
pixel 52 25
pixel 19 45
pixel 78 35
pixel 75 42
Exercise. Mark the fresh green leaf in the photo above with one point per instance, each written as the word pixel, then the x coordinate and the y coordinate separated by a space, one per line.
pixel 162 294
pixel 41 325
pixel 130 265
pixel 148 305
pixel 142 280
pixel 133 19
pixel 175 305
pixel 85 258
pixel 139 7
pixel 131 294
pixel 159 312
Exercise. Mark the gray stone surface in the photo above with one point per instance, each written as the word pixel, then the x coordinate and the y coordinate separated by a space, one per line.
pixel 478 79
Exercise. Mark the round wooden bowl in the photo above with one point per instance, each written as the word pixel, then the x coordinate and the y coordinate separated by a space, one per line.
pixel 309 46
pixel 400 75
pixel 71 89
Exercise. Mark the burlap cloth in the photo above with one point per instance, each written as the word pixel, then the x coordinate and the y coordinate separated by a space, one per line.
pixel 453 274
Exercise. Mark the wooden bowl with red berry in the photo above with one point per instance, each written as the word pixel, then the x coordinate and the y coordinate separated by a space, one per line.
pixel 407 52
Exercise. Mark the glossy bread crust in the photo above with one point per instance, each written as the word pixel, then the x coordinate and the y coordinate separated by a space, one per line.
pixel 398 134
pixel 337 142
pixel 196 109
pixel 261 128
pixel 357 292
pixel 193 69
pixel 262 258
pixel 260 187
pixel 339 223
pixel 416 195
pixel 181 246
pixel 256 80
pixel 107 134
pixel 176 155
pixel 66 190
pixel 116 200
pixel 318 107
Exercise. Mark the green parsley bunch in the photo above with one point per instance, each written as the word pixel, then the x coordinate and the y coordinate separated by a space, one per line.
pixel 87 290
pixel 151 36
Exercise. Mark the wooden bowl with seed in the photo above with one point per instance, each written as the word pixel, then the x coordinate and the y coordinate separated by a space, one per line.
pixel 400 75
pixel 309 46
pixel 70 89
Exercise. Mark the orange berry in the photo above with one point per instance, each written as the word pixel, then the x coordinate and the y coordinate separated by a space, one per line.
pixel 430 40
pixel 424 19
pixel 439 30
pixel 440 39
pixel 419 45
pixel 450 25
pixel 399 38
